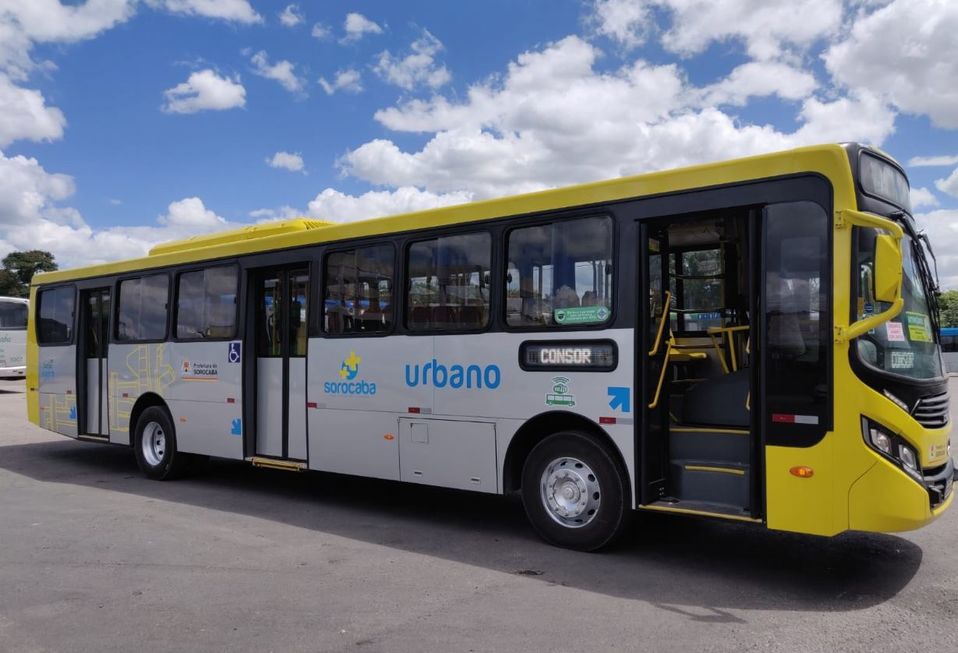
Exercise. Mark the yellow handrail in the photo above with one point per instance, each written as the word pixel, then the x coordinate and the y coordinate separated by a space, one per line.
pixel 665 316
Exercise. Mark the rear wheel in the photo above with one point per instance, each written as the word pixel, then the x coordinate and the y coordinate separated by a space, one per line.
pixel 154 443
pixel 575 492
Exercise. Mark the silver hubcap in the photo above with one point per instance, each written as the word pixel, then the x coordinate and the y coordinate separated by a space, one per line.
pixel 570 492
pixel 154 444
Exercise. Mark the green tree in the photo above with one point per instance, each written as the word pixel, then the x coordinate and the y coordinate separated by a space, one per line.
pixel 19 268
pixel 948 308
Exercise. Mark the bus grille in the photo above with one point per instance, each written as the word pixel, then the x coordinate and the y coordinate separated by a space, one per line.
pixel 932 412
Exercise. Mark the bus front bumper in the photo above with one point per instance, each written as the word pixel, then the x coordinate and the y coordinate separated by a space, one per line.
pixel 886 500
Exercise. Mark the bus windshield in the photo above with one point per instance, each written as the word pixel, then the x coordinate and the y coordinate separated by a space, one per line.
pixel 907 345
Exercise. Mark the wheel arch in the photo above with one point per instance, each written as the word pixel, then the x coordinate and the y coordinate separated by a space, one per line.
pixel 146 400
pixel 542 426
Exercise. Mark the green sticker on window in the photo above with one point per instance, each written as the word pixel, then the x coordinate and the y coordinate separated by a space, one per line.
pixel 581 315
pixel 919 327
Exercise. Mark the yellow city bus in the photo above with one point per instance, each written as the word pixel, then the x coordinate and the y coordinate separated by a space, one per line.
pixel 753 340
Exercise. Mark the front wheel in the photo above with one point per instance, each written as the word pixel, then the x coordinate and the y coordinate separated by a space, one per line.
pixel 575 492
pixel 154 443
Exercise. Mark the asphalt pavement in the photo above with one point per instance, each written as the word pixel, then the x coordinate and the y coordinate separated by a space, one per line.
pixel 93 557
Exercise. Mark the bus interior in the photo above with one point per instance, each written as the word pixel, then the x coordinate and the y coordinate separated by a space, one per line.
pixel 699 451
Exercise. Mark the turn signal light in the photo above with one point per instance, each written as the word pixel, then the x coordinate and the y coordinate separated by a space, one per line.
pixel 389 436
pixel 802 471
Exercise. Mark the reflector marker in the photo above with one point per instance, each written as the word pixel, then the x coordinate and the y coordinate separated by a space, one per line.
pixel 784 418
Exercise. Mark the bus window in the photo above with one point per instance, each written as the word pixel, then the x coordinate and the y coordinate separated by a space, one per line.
pixel 206 303
pixel 701 291
pixel 56 316
pixel 797 325
pixel 449 283
pixel 13 315
pixel 560 274
pixel 358 295
pixel 143 308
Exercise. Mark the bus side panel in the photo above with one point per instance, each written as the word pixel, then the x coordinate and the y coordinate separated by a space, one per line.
pixel 357 388
pixel 500 388
pixel 134 371
pixel 57 389
pixel 13 354
pixel 206 398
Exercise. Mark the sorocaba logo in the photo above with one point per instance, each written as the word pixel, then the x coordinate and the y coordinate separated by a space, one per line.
pixel 350 367
pixel 347 385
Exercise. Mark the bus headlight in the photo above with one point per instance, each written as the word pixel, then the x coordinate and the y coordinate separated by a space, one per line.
pixel 880 440
pixel 892 446
pixel 907 456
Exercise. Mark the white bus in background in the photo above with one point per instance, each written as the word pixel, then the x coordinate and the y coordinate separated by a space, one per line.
pixel 13 337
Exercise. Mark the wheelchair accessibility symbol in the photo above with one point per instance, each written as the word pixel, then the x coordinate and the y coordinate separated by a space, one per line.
pixel 236 352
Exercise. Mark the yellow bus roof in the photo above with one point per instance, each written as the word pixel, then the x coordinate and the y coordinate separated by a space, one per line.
pixel 829 160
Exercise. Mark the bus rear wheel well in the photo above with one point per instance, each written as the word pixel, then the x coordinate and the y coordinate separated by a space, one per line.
pixel 145 401
pixel 540 427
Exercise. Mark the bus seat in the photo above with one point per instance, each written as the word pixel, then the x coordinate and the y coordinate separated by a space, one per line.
pixel 719 401
pixel 420 316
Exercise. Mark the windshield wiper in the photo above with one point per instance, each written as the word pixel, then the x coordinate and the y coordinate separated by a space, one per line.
pixel 930 282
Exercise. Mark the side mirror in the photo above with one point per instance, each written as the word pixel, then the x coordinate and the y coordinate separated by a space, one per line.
pixel 888 268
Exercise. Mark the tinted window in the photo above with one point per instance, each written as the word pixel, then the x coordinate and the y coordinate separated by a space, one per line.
pixel 449 283
pixel 359 290
pixel 797 324
pixel 13 315
pixel 560 274
pixel 56 316
pixel 206 303
pixel 699 285
pixel 143 308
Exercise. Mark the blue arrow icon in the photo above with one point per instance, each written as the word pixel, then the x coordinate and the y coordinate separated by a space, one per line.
pixel 620 399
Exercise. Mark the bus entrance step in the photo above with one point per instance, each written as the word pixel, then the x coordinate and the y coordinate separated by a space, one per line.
pixel 718 444
pixel 709 480
pixel 275 463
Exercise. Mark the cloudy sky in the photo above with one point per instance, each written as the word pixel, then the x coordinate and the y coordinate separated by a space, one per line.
pixel 127 122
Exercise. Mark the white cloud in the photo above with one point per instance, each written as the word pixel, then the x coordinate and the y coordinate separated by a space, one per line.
pixel 932 161
pixel 922 198
pixel 552 119
pixel 24 114
pixel 949 184
pixel 190 213
pixel 626 21
pixel 321 32
pixel 25 22
pixel 357 26
pixel 334 205
pixel 282 71
pixel 906 52
pixel 349 80
pixel 239 11
pixel 759 79
pixel 291 16
pixel 32 216
pixel 271 215
pixel 942 229
pixel 29 193
pixel 205 90
pixel 768 29
pixel 417 68
pixel 291 161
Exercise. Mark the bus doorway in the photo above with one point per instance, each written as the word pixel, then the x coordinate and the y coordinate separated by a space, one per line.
pixel 280 301
pixel 697 441
pixel 92 352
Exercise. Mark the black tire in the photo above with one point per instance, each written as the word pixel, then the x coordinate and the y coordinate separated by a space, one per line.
pixel 158 463
pixel 579 458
